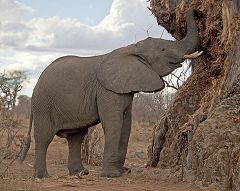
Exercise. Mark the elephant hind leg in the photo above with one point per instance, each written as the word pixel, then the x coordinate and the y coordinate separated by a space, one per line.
pixel 74 158
pixel 43 135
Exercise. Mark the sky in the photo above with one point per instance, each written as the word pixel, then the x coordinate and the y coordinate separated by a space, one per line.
pixel 33 33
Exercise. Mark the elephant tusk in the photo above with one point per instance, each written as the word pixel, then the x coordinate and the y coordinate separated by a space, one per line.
pixel 193 55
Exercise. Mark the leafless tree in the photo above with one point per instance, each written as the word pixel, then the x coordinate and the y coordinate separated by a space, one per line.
pixel 148 107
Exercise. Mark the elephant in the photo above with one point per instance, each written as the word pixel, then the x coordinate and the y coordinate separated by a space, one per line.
pixel 74 93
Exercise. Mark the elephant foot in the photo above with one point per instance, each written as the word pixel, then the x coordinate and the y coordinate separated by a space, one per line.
pixel 41 174
pixel 79 173
pixel 111 174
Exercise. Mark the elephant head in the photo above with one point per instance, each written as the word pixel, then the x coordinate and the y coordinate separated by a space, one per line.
pixel 141 66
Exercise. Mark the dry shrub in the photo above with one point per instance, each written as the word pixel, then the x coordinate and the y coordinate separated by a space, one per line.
pixel 10 85
pixel 93 145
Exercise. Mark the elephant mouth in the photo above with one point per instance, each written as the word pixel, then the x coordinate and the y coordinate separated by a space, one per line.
pixel 178 65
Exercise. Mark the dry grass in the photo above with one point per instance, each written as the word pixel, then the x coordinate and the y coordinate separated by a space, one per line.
pixel 19 176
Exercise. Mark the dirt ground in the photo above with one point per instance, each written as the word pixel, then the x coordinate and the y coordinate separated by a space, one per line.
pixel 19 176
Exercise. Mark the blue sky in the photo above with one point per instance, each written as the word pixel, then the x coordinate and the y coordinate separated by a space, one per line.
pixel 33 33
pixel 89 12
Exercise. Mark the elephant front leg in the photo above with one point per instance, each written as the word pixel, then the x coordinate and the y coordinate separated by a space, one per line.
pixel 112 125
pixel 111 108
pixel 125 133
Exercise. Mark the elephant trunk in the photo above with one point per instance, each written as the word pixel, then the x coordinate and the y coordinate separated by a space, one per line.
pixel 189 43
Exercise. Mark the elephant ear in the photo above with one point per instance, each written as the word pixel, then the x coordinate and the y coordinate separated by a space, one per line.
pixel 128 74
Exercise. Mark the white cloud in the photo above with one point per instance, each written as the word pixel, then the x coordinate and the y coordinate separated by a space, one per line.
pixel 33 44
pixel 13 11
pixel 124 12
pixel 125 22
pixel 31 62
pixel 13 29
pixel 25 61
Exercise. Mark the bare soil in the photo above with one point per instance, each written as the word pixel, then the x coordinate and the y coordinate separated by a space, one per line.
pixel 19 176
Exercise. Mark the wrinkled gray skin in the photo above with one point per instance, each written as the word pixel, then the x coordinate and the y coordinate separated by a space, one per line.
pixel 74 93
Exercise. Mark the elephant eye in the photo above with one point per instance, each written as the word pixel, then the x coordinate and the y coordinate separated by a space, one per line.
pixel 163 49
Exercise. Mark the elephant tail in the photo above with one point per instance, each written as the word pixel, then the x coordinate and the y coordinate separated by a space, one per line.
pixel 26 141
